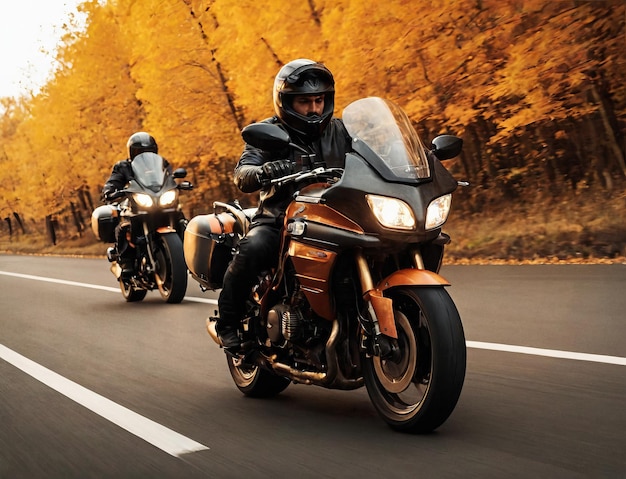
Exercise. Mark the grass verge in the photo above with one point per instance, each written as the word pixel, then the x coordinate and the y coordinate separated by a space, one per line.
pixel 581 230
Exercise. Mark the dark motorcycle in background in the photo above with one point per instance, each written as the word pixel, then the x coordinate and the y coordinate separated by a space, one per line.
pixel 150 217
pixel 356 298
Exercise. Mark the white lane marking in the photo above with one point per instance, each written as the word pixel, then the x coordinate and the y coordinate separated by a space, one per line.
pixel 553 353
pixel 160 436
pixel 60 281
pixel 91 286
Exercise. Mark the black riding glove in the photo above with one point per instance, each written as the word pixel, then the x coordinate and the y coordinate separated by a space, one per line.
pixel 273 170
pixel 113 195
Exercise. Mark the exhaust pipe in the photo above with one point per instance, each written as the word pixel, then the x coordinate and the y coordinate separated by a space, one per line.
pixel 210 327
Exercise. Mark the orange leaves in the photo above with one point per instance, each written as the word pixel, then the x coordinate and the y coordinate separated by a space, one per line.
pixel 192 72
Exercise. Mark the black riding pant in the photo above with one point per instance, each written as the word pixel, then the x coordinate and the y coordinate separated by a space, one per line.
pixel 125 250
pixel 256 252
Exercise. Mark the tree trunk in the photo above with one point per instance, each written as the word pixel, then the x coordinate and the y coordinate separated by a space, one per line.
pixel 608 128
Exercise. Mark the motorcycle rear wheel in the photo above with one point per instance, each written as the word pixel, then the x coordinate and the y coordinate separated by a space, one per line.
pixel 171 268
pixel 130 293
pixel 254 381
pixel 419 392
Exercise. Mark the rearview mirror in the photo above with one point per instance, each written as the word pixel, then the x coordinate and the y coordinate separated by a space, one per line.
pixel 446 147
pixel 266 136
pixel 180 173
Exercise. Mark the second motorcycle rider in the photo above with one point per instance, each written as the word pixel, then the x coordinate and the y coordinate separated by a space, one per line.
pixel 122 173
pixel 303 97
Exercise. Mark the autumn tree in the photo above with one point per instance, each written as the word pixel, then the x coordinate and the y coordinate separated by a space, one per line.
pixel 535 89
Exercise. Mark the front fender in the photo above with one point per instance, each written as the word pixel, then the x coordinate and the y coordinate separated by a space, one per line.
pixel 163 230
pixel 383 306
pixel 412 277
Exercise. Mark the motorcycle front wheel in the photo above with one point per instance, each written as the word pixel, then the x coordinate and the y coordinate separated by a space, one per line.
pixel 171 269
pixel 254 381
pixel 419 390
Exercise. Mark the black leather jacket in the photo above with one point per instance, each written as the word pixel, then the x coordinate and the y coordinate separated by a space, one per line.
pixel 122 173
pixel 330 148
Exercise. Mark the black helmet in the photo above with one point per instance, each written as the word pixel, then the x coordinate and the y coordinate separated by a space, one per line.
pixel 304 77
pixel 140 142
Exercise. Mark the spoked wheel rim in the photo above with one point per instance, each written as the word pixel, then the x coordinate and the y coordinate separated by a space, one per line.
pixel 244 375
pixel 254 381
pixel 130 293
pixel 163 273
pixel 394 376
pixel 126 288
pixel 399 382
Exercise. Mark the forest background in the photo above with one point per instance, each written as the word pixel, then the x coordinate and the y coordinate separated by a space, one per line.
pixel 534 87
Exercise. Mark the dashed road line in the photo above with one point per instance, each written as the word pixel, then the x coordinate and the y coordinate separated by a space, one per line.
pixel 509 348
pixel 152 432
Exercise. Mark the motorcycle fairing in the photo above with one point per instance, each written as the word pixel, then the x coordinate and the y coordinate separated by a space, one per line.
pixel 150 176
pixel 308 205
pixel 314 266
pixel 348 198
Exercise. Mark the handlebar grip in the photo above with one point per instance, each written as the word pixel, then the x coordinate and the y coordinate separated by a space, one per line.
pixel 304 175
pixel 116 194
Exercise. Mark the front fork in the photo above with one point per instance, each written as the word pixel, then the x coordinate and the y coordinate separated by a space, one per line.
pixel 146 235
pixel 384 336
pixel 380 308
pixel 147 244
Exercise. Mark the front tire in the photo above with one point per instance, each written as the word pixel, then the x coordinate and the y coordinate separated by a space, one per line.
pixel 419 391
pixel 171 269
pixel 255 382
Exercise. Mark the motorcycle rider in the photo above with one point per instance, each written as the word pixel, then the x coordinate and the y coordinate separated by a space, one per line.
pixel 303 97
pixel 122 173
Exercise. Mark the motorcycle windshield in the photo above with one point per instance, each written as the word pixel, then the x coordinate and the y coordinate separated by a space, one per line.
pixel 149 170
pixel 387 130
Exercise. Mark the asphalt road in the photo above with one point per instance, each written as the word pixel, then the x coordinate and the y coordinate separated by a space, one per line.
pixel 94 387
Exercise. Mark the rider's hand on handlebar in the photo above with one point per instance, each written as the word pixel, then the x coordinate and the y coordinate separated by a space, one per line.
pixel 113 195
pixel 273 170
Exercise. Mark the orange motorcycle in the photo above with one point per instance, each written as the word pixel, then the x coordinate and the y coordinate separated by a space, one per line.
pixel 356 299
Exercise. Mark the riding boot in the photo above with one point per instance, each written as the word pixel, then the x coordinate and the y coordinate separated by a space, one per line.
pixel 228 336
pixel 231 302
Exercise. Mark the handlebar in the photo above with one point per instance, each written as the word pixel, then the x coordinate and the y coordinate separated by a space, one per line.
pixel 305 175
pixel 114 195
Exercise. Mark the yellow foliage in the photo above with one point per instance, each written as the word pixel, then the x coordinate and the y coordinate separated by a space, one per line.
pixel 194 72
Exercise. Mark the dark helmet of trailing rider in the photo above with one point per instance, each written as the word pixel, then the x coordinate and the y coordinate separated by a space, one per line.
pixel 141 142
pixel 304 77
